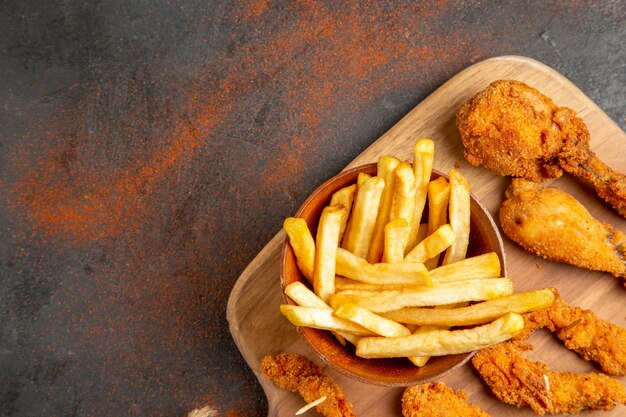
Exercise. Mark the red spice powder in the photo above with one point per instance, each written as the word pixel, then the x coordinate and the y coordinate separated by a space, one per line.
pixel 359 52
pixel 322 68
pixel 258 8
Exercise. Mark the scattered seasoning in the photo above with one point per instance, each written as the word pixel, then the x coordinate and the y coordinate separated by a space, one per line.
pixel 147 314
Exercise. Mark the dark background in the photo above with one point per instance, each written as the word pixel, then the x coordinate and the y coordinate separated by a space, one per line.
pixel 150 149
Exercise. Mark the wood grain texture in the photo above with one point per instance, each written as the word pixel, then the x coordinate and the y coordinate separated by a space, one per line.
pixel 258 328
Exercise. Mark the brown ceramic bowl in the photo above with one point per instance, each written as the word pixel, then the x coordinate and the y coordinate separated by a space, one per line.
pixel 396 372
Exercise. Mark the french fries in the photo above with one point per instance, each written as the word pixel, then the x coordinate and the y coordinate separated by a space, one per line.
pixel 442 342
pixel 386 170
pixel 403 199
pixel 321 318
pixel 423 154
pixel 361 178
pixel 344 198
pixel 302 243
pixel 371 321
pixel 396 237
pixel 481 266
pixel 420 361
pixel 360 229
pixel 353 267
pixel 373 268
pixel 344 284
pixel 304 297
pixel 432 246
pixel 459 215
pixel 452 292
pixel 480 313
pixel 438 197
pixel 325 251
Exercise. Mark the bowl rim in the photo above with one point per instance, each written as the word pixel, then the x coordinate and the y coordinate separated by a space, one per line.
pixel 363 378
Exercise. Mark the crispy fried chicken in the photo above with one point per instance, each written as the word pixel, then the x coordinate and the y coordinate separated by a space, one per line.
pixel 522 382
pixel 513 129
pixel 296 373
pixel 437 400
pixel 551 223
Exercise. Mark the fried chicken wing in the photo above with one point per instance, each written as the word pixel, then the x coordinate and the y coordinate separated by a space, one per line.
pixel 296 373
pixel 437 400
pixel 520 381
pixel 513 129
pixel 551 223
pixel 583 332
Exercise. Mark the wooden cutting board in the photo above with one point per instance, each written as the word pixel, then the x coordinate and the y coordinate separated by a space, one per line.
pixel 253 315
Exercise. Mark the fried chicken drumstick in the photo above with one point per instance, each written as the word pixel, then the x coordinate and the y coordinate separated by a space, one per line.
pixel 513 129
pixel 296 373
pixel 437 400
pixel 551 223
pixel 520 381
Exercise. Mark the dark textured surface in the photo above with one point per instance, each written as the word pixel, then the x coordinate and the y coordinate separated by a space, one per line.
pixel 150 149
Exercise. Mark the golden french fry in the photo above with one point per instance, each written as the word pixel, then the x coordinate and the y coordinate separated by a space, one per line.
pixel 344 284
pixel 432 246
pixel 438 196
pixel 302 243
pixel 362 178
pixel 422 232
pixel 321 318
pixel 360 229
pixel 325 251
pixel 424 151
pixel 386 168
pixel 420 361
pixel 350 337
pixel 396 235
pixel 345 198
pixel 371 321
pixel 442 342
pixel 481 266
pixel 304 297
pixel 403 199
pixel 459 215
pixel 480 313
pixel 452 292
pixel 351 266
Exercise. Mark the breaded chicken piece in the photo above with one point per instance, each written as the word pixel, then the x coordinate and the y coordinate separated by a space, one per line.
pixel 512 129
pixel 551 223
pixel 296 373
pixel 437 400
pixel 583 332
pixel 519 381
pixel 508 129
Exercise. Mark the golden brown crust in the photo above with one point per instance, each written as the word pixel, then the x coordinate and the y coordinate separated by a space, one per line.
pixel 582 331
pixel 437 400
pixel 522 382
pixel 296 373
pixel 551 223
pixel 508 128
pixel 512 129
